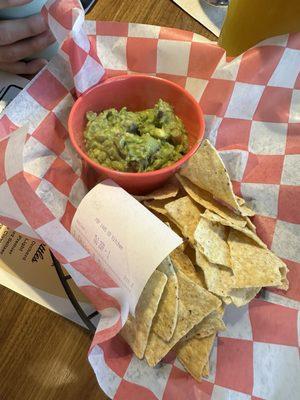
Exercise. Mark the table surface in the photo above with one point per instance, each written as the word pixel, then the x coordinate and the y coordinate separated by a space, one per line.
pixel 43 356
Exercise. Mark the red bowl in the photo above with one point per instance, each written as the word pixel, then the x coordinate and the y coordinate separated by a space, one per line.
pixel 136 92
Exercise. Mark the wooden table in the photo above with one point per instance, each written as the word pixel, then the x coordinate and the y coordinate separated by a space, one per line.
pixel 42 355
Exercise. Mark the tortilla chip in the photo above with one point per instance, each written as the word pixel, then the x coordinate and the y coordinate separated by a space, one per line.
pixel 221 281
pixel 250 225
pixel 194 355
pixel 181 262
pixel 157 206
pixel 190 252
pixel 284 281
pixel 240 200
pixel 240 297
pixel 195 303
pixel 168 221
pixel 252 266
pixel 206 200
pixel 246 231
pixel 169 190
pixel 211 240
pixel 244 208
pixel 226 300
pixel 183 246
pixel 166 267
pixel 206 370
pixel 165 320
pixel 208 326
pixel 185 214
pixel 207 170
pixel 136 330
pixel 246 211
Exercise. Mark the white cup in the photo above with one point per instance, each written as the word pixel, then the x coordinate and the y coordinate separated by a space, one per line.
pixel 32 8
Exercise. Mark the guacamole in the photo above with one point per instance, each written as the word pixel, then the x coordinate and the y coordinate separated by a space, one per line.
pixel 136 141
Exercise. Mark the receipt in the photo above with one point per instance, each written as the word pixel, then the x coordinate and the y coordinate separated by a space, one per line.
pixel 125 238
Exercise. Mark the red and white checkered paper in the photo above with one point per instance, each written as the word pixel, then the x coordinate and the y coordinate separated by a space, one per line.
pixel 252 110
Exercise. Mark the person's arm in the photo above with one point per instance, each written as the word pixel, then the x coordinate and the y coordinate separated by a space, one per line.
pixel 21 38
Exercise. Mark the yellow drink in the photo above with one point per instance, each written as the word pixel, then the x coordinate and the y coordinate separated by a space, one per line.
pixel 250 21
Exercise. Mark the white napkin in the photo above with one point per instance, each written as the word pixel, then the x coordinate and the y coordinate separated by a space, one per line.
pixel 211 17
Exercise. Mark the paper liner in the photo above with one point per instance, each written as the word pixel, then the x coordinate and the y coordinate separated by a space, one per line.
pixel 251 106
